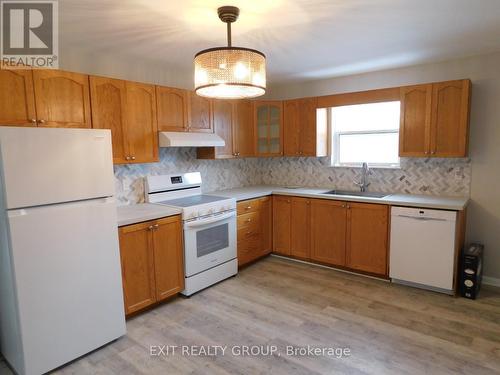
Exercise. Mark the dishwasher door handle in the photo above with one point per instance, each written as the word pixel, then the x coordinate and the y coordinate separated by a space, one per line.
pixel 421 218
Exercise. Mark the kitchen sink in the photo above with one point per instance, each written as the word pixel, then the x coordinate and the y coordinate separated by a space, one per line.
pixel 368 194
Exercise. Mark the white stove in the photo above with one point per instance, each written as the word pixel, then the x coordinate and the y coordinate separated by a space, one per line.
pixel 209 225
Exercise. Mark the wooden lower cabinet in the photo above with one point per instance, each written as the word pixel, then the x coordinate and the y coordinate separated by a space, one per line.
pixel 152 262
pixel 300 228
pixel 341 234
pixel 282 214
pixel 254 229
pixel 328 231
pixel 367 237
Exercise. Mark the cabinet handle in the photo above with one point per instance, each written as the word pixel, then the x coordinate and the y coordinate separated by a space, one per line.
pixel 150 227
pixel 426 152
pixel 33 120
pixel 288 201
pixel 348 207
pixel 247 233
pixel 156 226
pixel 41 121
pixel 248 207
pixel 308 202
pixel 127 157
pixel 248 220
pixel 132 157
pixel 343 206
pixel 433 152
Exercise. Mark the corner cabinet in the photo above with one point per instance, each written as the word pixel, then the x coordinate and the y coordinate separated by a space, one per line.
pixel 269 128
pixel 128 109
pixel 152 262
pixel 435 119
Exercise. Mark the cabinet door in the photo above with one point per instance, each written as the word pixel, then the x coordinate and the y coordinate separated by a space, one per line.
pixel 243 128
pixel 328 231
pixel 249 237
pixel 291 132
pixel 266 224
pixel 269 128
pixel 62 99
pixel 307 123
pixel 300 228
pixel 137 260
pixel 281 224
pixel 168 257
pixel 108 99
pixel 223 126
pixel 450 118
pixel 142 127
pixel 367 233
pixel 172 109
pixel 200 114
pixel 17 98
pixel 414 128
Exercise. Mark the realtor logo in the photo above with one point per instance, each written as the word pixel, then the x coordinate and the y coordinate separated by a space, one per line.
pixel 29 34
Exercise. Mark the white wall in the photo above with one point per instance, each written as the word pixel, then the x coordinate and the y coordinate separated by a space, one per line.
pixel 483 219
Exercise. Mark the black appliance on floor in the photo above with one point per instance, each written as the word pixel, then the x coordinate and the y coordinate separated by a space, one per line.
pixel 471 270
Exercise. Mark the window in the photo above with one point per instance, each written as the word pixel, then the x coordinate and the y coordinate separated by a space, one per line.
pixel 366 133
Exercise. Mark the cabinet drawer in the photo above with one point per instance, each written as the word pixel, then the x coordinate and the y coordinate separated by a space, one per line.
pixel 251 205
pixel 248 220
pixel 249 248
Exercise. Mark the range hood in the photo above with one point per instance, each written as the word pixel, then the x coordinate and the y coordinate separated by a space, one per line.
pixel 184 139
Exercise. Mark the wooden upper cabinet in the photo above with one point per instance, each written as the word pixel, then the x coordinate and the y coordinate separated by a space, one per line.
pixel 17 98
pixel 269 127
pixel 291 128
pixel 435 119
pixel 223 126
pixel 200 114
pixel 414 131
pixel 62 99
pixel 172 106
pixel 328 231
pixel 142 126
pixel 304 134
pixel 168 257
pixel 308 132
pixel 243 128
pixel 233 122
pixel 137 260
pixel 282 224
pixel 367 237
pixel 300 227
pixel 108 101
pixel 450 118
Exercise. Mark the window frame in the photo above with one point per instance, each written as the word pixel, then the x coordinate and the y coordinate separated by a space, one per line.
pixel 334 141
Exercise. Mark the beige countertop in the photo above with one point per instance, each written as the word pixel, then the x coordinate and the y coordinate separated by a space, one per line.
pixel 407 200
pixel 137 213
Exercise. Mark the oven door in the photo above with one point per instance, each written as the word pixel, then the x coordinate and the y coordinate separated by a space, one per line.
pixel 209 242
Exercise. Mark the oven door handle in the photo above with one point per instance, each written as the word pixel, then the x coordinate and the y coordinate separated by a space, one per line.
pixel 211 220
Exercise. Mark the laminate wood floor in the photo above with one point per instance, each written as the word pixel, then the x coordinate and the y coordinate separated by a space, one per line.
pixel 388 328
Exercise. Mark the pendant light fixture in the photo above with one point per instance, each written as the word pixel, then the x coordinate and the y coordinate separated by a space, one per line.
pixel 230 72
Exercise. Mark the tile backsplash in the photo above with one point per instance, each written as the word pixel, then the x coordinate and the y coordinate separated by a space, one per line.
pixel 449 177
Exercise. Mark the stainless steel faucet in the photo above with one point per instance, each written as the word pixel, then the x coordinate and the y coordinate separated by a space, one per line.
pixel 363 184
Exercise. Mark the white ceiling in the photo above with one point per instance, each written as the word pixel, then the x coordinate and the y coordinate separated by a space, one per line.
pixel 303 39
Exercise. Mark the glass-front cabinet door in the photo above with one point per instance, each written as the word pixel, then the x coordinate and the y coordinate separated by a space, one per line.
pixel 269 124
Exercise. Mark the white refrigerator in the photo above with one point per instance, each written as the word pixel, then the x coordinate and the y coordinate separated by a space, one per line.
pixel 60 276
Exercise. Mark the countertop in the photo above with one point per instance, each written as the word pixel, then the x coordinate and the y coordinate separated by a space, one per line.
pixel 407 200
pixel 137 213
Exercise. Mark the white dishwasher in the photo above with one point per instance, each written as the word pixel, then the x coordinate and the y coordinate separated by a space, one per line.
pixel 422 252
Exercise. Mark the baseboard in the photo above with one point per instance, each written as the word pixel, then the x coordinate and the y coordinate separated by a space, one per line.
pixel 491 281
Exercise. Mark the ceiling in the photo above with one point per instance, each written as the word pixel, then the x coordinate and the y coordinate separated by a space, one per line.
pixel 303 39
